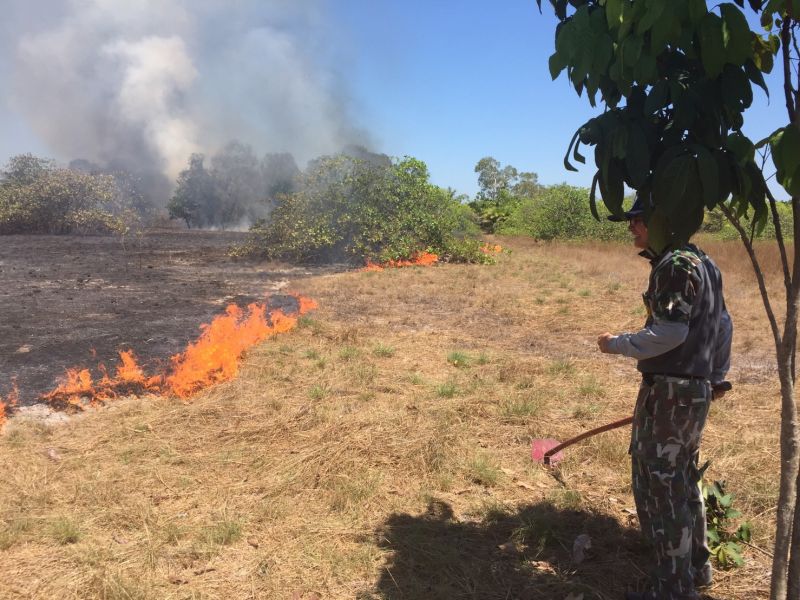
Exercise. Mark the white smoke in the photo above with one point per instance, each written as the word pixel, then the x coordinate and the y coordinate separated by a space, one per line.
pixel 144 83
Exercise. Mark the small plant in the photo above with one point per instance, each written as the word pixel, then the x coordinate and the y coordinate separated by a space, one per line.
pixel 562 366
pixel 585 411
pixel 65 531
pixel 348 353
pixel 383 351
pixel 520 408
pixel 311 354
pixel 723 542
pixel 225 532
pixel 482 359
pixel 415 379
pixel 592 389
pixel 584 293
pixel 318 392
pixel 484 471
pixel 448 389
pixel 458 359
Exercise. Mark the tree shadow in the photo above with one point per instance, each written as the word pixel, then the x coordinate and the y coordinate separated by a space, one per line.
pixel 526 555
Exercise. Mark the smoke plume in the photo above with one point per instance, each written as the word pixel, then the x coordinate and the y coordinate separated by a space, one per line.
pixel 142 85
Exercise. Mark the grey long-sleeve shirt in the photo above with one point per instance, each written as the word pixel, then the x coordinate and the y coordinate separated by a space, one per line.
pixel 663 336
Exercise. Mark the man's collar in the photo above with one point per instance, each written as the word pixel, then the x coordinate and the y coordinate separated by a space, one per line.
pixel 654 256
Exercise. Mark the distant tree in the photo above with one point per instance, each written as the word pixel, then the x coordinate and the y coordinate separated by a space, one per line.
pixel 25 169
pixel 195 199
pixel 279 174
pixel 527 185
pixel 239 184
pixel 501 189
pixel 492 179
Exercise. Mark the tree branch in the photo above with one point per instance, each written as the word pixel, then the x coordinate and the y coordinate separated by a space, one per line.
pixel 773 323
pixel 786 38
pixel 787 278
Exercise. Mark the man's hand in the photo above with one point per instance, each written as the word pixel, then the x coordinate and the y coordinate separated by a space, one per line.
pixel 604 342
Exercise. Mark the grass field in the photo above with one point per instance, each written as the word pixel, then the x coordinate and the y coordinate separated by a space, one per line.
pixel 381 450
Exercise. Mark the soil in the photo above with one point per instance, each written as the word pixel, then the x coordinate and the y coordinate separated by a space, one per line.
pixel 70 301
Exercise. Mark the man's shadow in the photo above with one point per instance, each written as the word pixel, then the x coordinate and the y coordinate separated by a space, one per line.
pixel 523 555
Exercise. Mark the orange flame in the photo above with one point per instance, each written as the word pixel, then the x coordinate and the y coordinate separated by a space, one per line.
pixel 491 249
pixel 7 406
pixel 421 259
pixel 212 358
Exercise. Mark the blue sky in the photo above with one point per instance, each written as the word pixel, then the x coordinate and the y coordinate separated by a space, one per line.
pixel 447 82
pixel 450 82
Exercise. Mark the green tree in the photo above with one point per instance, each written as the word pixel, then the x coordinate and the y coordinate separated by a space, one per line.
pixel 240 193
pixel 675 79
pixel 501 189
pixel 195 199
pixel 492 179
pixel 350 209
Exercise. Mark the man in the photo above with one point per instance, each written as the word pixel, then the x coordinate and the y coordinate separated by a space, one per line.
pixel 683 351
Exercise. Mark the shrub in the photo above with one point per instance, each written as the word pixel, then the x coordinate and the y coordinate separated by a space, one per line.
pixel 351 210
pixel 38 197
pixel 561 212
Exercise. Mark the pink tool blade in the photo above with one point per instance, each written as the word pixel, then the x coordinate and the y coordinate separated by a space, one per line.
pixel 541 446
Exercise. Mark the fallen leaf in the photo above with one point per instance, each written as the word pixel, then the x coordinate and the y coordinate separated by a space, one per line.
pixel 204 570
pixel 53 455
pixel 526 486
pixel 177 580
pixel 543 566
pixel 253 542
pixel 508 472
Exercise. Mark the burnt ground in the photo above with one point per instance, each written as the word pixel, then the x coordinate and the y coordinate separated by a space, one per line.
pixel 69 301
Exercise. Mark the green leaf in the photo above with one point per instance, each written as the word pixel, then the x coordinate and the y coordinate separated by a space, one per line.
pixel 709 176
pixel 631 51
pixel 670 181
pixel 755 75
pixel 697 10
pixel 556 64
pixel 712 48
pixel 737 92
pixel 637 157
pixel 612 188
pixel 614 12
pixel 567 165
pixel 655 8
pixel 657 98
pixel 736 34
pixel 741 147
pixel 646 69
pixel 593 196
pixel 744 533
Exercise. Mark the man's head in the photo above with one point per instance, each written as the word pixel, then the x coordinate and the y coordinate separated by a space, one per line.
pixel 636 224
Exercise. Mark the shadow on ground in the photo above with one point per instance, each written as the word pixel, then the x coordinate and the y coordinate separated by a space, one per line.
pixel 522 555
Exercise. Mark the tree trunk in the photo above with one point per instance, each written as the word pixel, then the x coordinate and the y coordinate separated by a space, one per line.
pixel 788 481
pixel 790 440
pixel 794 552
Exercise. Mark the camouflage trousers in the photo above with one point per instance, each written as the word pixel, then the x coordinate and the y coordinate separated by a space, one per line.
pixel 667 427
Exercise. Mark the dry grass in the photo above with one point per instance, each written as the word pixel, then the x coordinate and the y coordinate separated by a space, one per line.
pixel 381 450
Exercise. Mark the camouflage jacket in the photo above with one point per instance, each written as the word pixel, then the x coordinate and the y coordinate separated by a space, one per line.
pixel 687 331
